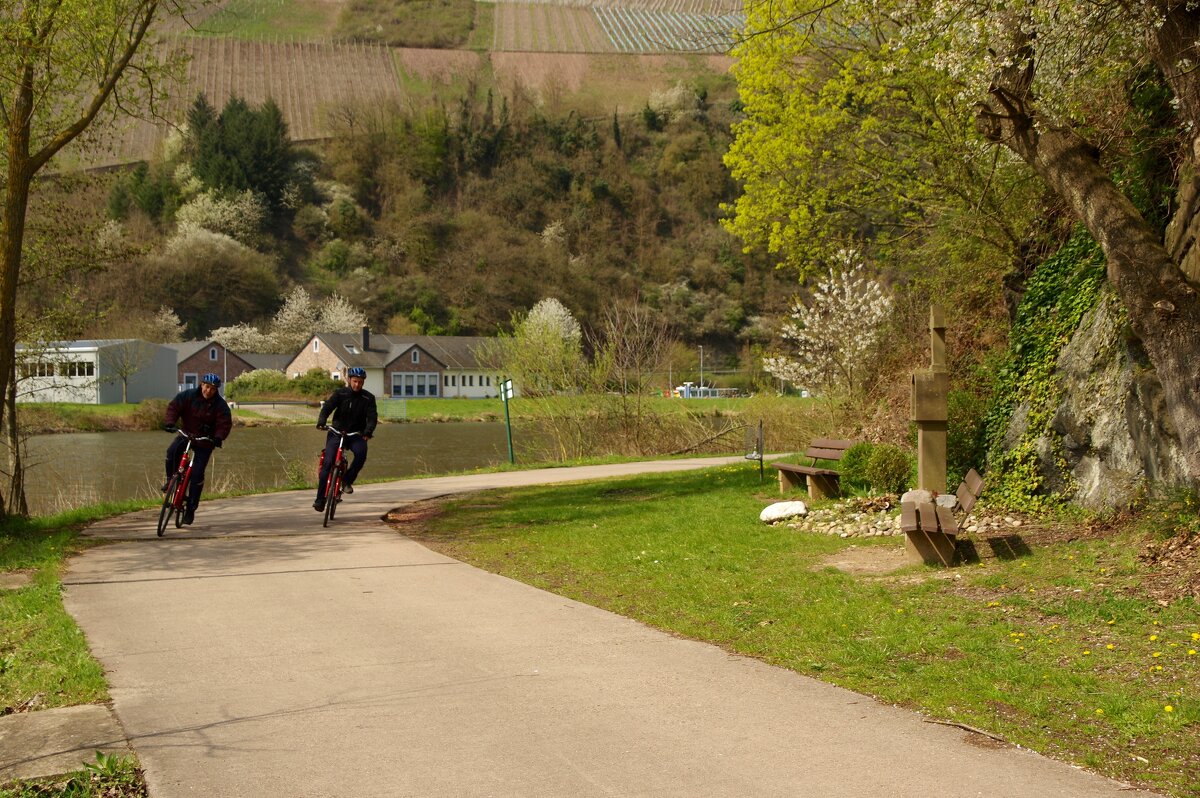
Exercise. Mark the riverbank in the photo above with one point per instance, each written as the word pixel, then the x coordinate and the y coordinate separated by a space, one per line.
pixel 46 418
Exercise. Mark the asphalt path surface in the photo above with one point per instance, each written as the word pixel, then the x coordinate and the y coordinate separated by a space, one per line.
pixel 256 653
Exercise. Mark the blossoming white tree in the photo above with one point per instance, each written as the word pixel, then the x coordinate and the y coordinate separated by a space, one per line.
pixel 833 338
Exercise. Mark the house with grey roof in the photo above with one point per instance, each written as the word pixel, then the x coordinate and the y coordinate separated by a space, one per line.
pixel 101 371
pixel 401 366
pixel 194 359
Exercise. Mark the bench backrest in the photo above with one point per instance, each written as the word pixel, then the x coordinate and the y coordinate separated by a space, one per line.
pixel 969 490
pixel 827 449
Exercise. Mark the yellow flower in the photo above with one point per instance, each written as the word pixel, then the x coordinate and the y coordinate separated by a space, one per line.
pixel 1196 635
pixel 1110 646
pixel 1153 637
pixel 1168 708
pixel 1114 620
pixel 1191 652
pixel 1156 654
pixel 1099 711
pixel 1087 653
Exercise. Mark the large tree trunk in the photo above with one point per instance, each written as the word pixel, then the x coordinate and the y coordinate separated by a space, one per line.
pixel 12 237
pixel 17 504
pixel 1163 308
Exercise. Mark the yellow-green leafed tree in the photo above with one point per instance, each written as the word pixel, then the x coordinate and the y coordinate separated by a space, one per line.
pixel 65 66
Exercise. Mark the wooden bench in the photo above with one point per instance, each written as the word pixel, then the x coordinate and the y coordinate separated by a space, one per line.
pixel 823 483
pixel 931 531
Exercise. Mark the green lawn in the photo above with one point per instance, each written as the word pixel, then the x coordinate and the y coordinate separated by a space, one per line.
pixel 1059 651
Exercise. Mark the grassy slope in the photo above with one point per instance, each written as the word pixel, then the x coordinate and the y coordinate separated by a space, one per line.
pixel 1058 651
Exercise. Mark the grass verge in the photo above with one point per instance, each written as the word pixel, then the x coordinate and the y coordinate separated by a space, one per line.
pixel 44 658
pixel 109 776
pixel 1061 650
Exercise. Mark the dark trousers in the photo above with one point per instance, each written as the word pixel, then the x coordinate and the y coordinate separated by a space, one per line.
pixel 356 445
pixel 174 452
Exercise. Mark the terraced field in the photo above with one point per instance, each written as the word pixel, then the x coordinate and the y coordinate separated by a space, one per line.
pixel 648 27
pixel 588 54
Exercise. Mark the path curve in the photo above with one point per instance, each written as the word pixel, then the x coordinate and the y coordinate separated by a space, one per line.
pixel 258 654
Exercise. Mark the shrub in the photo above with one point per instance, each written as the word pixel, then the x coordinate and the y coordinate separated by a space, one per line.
pixel 149 413
pixel 316 383
pixel 853 466
pixel 260 382
pixel 965 435
pixel 890 469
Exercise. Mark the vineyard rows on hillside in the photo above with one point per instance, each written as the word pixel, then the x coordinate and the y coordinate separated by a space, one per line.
pixel 550 27
pixel 708 7
pixel 302 77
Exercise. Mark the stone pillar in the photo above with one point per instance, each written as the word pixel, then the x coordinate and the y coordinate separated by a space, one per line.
pixel 929 390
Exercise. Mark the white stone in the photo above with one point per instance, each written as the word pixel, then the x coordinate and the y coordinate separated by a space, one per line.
pixel 947 500
pixel 781 510
pixel 917 496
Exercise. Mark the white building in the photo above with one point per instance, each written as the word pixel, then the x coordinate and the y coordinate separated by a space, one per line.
pixel 95 372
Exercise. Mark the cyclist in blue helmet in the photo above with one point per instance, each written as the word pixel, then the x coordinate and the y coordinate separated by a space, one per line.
pixel 199 411
pixel 352 409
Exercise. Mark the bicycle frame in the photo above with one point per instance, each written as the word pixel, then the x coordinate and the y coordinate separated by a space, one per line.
pixel 337 471
pixel 173 504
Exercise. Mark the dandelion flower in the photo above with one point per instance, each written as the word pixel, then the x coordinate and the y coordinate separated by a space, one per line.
pixel 1153 637
pixel 1156 654
pixel 1168 708
pixel 1087 653
pixel 1191 652
pixel 1099 711
pixel 1110 646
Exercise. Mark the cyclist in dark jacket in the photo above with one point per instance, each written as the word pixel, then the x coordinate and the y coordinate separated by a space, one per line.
pixel 353 410
pixel 200 411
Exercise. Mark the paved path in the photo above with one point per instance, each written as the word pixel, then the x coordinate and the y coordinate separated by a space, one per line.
pixel 258 655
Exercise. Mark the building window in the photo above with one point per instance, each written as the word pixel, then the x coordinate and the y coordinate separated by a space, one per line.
pixel 351 348
pixel 212 353
pixel 489 380
pixel 416 356
pixel 78 369
pixel 446 381
pixel 316 345
pixel 190 380
pixel 408 384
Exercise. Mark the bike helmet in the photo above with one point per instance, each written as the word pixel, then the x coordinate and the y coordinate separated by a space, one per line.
pixel 356 372
pixel 211 379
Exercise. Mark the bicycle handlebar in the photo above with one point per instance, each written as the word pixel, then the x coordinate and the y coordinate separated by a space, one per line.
pixel 196 437
pixel 339 432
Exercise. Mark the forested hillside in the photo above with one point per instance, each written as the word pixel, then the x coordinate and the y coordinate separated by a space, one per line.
pixel 441 219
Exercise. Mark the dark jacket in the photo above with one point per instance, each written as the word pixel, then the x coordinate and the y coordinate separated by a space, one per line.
pixel 195 415
pixel 352 412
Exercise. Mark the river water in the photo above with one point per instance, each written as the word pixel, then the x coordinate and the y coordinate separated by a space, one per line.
pixel 78 469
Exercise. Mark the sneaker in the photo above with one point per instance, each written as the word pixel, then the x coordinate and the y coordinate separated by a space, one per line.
pixel 347 488
pixel 319 506
pixel 189 515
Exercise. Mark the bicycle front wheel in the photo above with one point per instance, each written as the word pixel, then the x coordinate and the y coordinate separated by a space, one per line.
pixel 181 499
pixel 331 495
pixel 168 504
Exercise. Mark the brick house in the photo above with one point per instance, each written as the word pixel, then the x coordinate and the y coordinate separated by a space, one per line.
pixel 197 358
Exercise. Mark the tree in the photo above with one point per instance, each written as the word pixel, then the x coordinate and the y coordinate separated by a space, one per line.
pixel 834 337
pixel 64 64
pixel 544 353
pixel 241 149
pixel 1023 77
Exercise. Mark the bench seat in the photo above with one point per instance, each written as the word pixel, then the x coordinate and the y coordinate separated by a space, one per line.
pixel 823 483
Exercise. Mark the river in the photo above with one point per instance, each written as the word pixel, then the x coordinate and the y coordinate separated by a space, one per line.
pixel 78 469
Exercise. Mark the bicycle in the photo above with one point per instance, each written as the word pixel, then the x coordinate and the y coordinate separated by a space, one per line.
pixel 337 474
pixel 175 496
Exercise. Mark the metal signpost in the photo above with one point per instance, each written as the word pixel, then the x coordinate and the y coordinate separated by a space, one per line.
pixel 506 393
